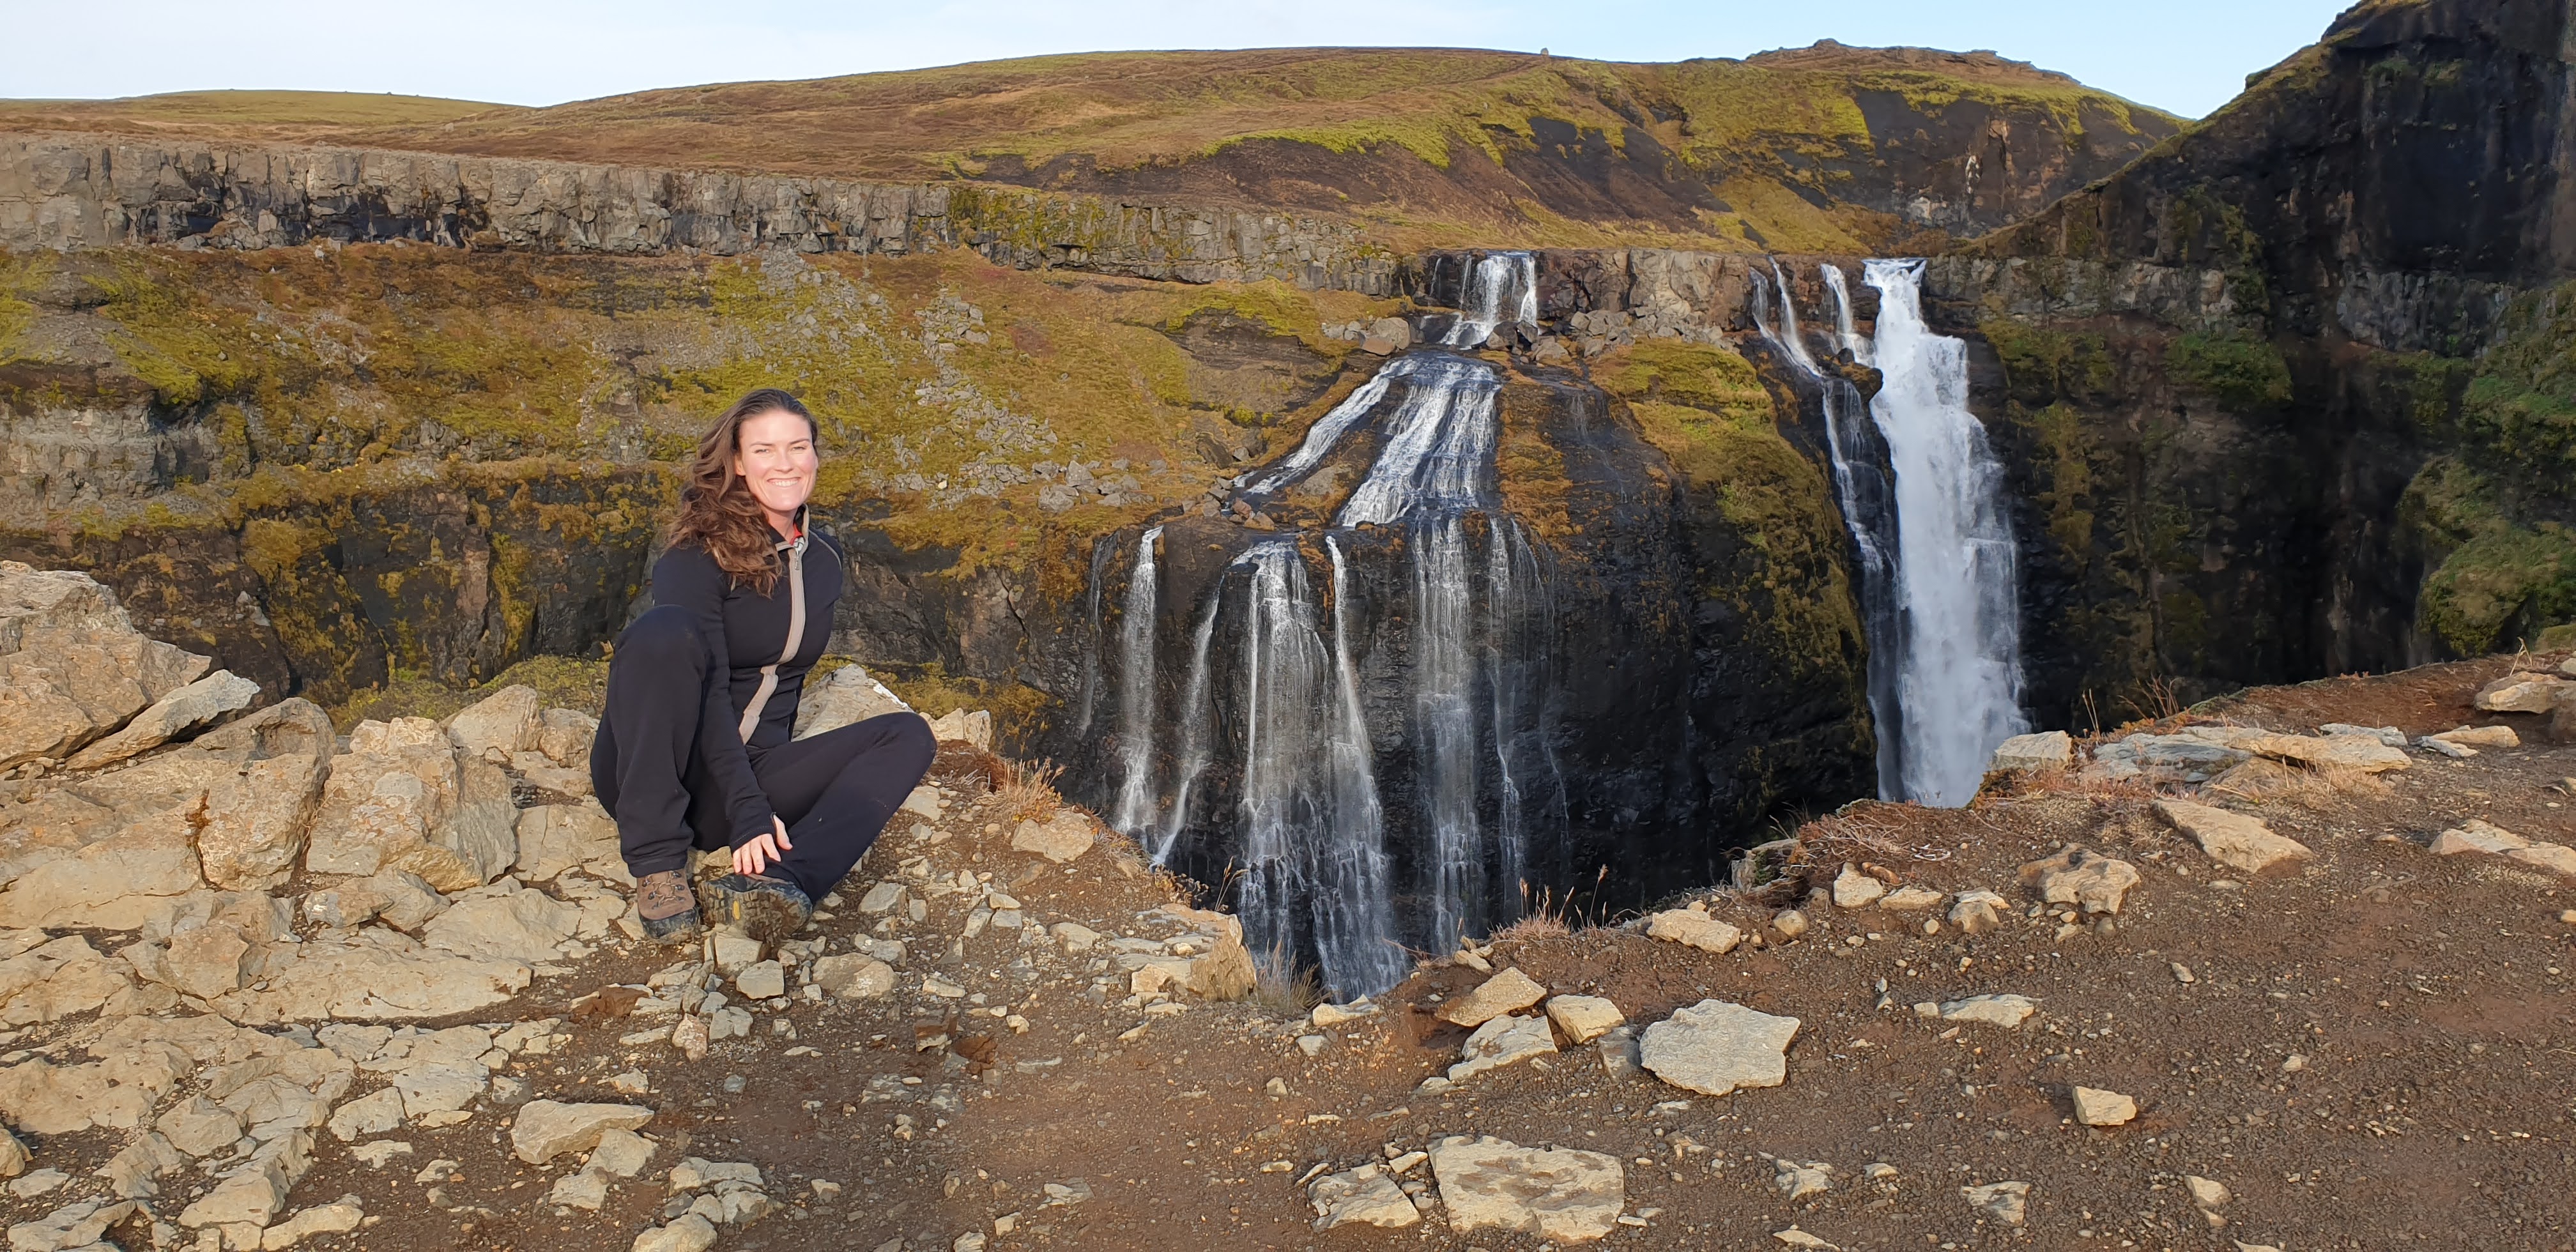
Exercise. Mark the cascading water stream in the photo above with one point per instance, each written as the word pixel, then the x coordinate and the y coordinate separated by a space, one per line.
pixel 1961 690
pixel 1309 839
pixel 1868 503
pixel 1135 808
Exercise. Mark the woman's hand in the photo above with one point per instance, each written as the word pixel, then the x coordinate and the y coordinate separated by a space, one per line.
pixel 754 856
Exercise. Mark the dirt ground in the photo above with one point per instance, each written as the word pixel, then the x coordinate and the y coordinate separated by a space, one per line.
pixel 2371 1051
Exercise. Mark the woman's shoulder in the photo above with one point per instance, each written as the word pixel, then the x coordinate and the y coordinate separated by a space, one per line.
pixel 688 563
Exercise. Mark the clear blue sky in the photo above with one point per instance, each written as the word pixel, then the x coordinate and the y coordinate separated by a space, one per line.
pixel 2186 56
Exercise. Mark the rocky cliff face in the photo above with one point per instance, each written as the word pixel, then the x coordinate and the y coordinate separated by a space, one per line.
pixel 2276 393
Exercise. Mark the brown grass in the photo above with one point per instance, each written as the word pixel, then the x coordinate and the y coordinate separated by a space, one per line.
pixel 1028 790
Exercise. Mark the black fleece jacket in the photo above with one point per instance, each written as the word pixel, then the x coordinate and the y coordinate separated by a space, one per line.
pixel 745 631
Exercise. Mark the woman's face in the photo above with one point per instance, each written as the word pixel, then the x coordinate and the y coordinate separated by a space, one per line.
pixel 774 453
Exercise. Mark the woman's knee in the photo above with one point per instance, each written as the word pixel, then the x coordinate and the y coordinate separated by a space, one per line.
pixel 915 743
pixel 664 635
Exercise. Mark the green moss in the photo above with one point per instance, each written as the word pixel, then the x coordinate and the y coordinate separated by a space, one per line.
pixel 1697 375
pixel 2042 364
pixel 2241 373
pixel 2067 497
pixel 2520 409
pixel 2502 588
pixel 20 276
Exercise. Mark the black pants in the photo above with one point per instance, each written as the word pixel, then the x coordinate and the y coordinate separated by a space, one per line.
pixel 835 791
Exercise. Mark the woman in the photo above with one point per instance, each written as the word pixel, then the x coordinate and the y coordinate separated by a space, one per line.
pixel 694 746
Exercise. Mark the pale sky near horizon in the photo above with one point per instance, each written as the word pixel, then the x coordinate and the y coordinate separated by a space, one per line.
pixel 2184 56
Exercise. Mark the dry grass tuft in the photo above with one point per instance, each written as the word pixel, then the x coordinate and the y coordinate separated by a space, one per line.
pixel 1284 988
pixel 1028 790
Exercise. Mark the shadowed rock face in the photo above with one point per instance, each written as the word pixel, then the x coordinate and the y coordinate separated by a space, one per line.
pixel 2270 394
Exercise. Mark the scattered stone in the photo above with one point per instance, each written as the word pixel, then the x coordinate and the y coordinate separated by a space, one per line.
pixel 1059 839
pixel 169 717
pixel 1507 992
pixel 2034 753
pixel 686 1233
pixel 1798 1181
pixel 2232 839
pixel 850 976
pixel 845 697
pixel 1910 899
pixel 694 1033
pixel 1618 1049
pixel 375 1113
pixel 321 1219
pixel 2389 735
pixel 545 1129
pixel 2096 1107
pixel 555 838
pixel 2208 1193
pixel 1797 1238
pixel 1312 1045
pixel 32 1185
pixel 961 726
pixel 77 1227
pixel 2005 1202
pixel 2363 752
pixel 375 1155
pixel 2478 737
pixel 2005 1010
pixel 1366 1196
pixel 1584 1018
pixel 1694 928
pixel 732 952
pixel 1856 890
pixel 1790 923
pixel 762 980
pixel 2080 876
pixel 883 897
pixel 1714 1048
pixel 2182 974
pixel 582 1189
pixel 2474 835
pixel 1502 1041
pixel 1562 1194
pixel 13 1155
pixel 2520 693
pixel 2444 747
pixel 1336 1014
pixel 1977 912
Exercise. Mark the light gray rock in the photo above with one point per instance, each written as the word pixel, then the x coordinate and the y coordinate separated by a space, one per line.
pixel 1694 928
pixel 732 952
pixel 2388 735
pixel 2232 839
pixel 2208 1193
pixel 882 897
pixel 374 1113
pixel 1061 838
pixel 373 975
pixel 2080 876
pixel 1618 1050
pixel 497 727
pixel 555 838
pixel 546 1129
pixel 115 883
pixel 1910 900
pixel 1507 992
pixel 1366 1196
pixel 2033 753
pixel 2474 737
pixel 761 980
pixel 2000 1009
pixel 845 697
pixel 13 1155
pixel 2521 693
pixel 2363 753
pixel 504 922
pixel 961 726
pixel 621 1153
pixel 850 976
pixel 1502 1041
pixel 581 1189
pixel 1714 1047
pixel 339 1217
pixel 172 715
pixel 686 1233
pixel 2005 1202
pixel 1856 890
pixel 1798 1180
pixel 1563 1194
pixel 1582 1018
pixel 2096 1107
pixel 73 1226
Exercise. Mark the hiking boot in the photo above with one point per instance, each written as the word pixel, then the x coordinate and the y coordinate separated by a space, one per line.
pixel 670 915
pixel 767 909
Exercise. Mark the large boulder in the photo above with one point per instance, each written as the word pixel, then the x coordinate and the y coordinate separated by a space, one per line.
pixel 72 666
pixel 400 798
pixel 844 697
pixel 554 838
pixel 175 714
pixel 1716 1048
pixel 498 727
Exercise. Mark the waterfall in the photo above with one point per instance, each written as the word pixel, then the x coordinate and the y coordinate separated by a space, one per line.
pixel 1497 280
pixel 1303 826
pixel 1100 554
pixel 1961 690
pixel 1136 692
pixel 1868 504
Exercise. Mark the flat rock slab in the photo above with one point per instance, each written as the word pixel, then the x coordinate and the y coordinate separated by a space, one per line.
pixel 1563 1194
pixel 2006 1202
pixel 1507 992
pixel 1061 838
pixel 2082 877
pixel 1503 1041
pixel 2475 835
pixel 2002 1009
pixel 1714 1048
pixel 1695 929
pixel 2522 693
pixel 2232 839
pixel 1584 1018
pixel 2030 754
pixel 545 1129
pixel 2366 753
pixel 2478 737
pixel 1910 899
pixel 2096 1107
pixel 1367 1196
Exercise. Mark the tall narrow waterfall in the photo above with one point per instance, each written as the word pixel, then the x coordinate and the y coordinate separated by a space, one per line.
pixel 1868 503
pixel 1136 691
pixel 1962 683
pixel 1434 617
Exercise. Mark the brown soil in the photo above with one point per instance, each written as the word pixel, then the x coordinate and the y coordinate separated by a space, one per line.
pixel 2427 998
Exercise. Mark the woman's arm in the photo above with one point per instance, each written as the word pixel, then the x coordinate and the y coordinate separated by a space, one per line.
pixel 689 578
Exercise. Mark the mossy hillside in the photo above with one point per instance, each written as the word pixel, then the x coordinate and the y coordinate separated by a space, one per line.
pixel 2242 372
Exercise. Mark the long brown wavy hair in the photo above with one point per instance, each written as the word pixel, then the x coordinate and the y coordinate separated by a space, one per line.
pixel 717 511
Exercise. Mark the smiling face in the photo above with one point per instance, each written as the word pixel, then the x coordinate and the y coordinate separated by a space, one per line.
pixel 774 454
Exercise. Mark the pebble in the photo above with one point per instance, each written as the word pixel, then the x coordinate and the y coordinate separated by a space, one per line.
pixel 2005 1009
pixel 1790 923
pixel 2006 1202
pixel 1694 928
pixel 1798 1181
pixel 2097 1107
pixel 1312 1045
pixel 1856 890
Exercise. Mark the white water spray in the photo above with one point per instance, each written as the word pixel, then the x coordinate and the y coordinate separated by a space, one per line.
pixel 1135 807
pixel 1961 686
